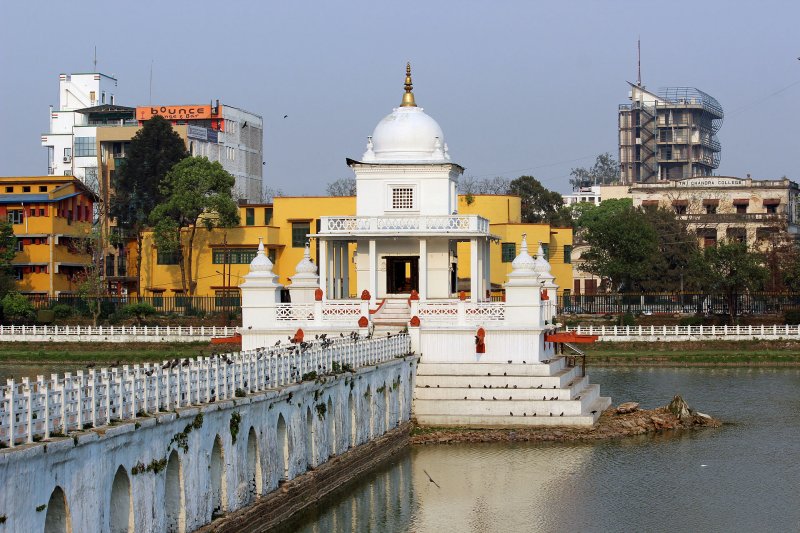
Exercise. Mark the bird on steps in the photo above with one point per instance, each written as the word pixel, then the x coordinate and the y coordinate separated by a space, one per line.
pixel 540 386
pixel 510 413
pixel 465 397
pixel 481 398
pixel 562 413
pixel 493 398
pixel 469 386
pixel 594 412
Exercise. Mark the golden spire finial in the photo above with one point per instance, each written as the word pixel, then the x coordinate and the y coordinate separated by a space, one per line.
pixel 408 96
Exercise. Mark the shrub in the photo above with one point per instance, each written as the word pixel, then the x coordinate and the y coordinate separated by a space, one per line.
pixel 139 311
pixel 792 317
pixel 17 307
pixel 627 319
pixel 62 311
pixel 695 320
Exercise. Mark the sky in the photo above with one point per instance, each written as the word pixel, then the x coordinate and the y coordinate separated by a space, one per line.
pixel 518 87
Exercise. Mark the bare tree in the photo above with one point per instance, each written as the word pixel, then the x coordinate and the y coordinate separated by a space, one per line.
pixel 472 185
pixel 341 187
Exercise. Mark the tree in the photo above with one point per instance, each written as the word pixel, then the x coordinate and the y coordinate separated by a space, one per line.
pixel 341 187
pixel 730 268
pixel 91 284
pixel 196 192
pixel 472 185
pixel 154 150
pixel 670 269
pixel 605 171
pixel 622 244
pixel 8 249
pixel 17 307
pixel 538 203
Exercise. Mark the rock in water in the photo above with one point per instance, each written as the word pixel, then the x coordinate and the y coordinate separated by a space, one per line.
pixel 680 408
pixel 627 407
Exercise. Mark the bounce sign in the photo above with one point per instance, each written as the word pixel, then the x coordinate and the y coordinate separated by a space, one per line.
pixel 174 112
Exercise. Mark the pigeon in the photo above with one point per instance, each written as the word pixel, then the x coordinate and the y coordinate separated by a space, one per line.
pixel 493 398
pixel 539 387
pixel 534 414
pixel 562 413
pixel 285 116
pixel 510 413
pixel 481 398
pixel 551 414
pixel 594 412
pixel 465 397
pixel 431 479
pixel 505 373
pixel 509 361
pixel 469 386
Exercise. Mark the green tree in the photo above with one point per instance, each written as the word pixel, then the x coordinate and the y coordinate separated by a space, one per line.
pixel 622 244
pixel 197 192
pixel 341 187
pixel 8 249
pixel 539 204
pixel 91 283
pixel 730 268
pixel 136 185
pixel 605 171
pixel 671 267
pixel 17 307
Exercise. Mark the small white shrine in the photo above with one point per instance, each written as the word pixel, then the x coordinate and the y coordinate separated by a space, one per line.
pixel 483 363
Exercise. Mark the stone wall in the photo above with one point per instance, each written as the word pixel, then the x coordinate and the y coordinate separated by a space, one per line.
pixel 175 471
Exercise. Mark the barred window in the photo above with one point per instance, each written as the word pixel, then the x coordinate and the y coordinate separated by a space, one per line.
pixel 509 251
pixel 236 256
pixel 85 147
pixel 546 251
pixel 299 232
pixel 16 216
pixel 567 254
pixel 168 258
pixel 403 198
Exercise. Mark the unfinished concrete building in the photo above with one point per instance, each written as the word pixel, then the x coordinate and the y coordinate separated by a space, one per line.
pixel 669 135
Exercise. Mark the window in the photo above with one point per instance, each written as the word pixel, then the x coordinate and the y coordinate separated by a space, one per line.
pixel 26 188
pixel 42 188
pixel 546 251
pixel 9 189
pixel 402 198
pixel 19 245
pixel 16 216
pixel 741 208
pixel 271 255
pixel 236 256
pixel 509 251
pixel 85 147
pixel 168 258
pixel 299 232
pixel 92 96
pixel 17 274
pixel 680 209
pixel 250 216
pixel 711 209
pixel 567 254
pixel 267 216
pixel 41 212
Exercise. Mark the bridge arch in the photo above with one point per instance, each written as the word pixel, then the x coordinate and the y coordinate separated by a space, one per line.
pixel 218 481
pixel 58 519
pixel 121 509
pixel 254 479
pixel 310 445
pixel 174 498
pixel 284 451
pixel 331 428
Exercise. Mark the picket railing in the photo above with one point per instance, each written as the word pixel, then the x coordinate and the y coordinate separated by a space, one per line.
pixel 786 331
pixel 106 331
pixel 31 410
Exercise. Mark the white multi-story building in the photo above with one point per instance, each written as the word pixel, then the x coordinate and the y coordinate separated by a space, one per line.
pixel 71 142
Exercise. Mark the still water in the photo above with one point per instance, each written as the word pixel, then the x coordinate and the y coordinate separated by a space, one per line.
pixel 742 477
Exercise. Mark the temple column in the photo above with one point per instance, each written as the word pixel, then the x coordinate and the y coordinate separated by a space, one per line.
pixel 373 271
pixel 474 273
pixel 322 263
pixel 423 269
pixel 487 265
pixel 337 269
pixel 346 271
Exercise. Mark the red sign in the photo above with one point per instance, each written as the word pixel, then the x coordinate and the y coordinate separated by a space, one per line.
pixel 174 112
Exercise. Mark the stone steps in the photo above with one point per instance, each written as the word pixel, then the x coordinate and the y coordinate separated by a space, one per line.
pixel 432 392
pixel 490 369
pixel 562 379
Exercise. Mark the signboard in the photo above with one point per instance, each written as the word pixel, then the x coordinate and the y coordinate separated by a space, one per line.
pixel 711 181
pixel 213 136
pixel 174 112
pixel 196 132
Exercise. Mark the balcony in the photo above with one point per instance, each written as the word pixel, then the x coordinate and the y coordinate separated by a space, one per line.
pixel 388 225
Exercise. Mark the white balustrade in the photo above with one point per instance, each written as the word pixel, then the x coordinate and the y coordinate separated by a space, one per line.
pixel 447 311
pixel 674 332
pixel 30 411
pixel 107 331
pixel 448 223
pixel 294 312
pixel 341 311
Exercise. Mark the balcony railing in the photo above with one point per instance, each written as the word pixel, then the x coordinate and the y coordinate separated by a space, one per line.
pixel 405 224
pixel 713 218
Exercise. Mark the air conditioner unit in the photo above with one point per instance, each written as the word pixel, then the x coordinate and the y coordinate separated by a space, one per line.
pixel 67 159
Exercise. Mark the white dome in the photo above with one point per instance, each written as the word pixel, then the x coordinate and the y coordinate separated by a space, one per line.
pixel 524 261
pixel 261 262
pixel 407 134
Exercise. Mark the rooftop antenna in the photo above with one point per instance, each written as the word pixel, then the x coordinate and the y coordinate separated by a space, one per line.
pixel 95 58
pixel 639 61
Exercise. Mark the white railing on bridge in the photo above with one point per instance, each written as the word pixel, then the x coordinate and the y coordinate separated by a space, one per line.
pixel 40 409
pixel 390 225
pixel 610 332
pixel 106 331
pixel 460 311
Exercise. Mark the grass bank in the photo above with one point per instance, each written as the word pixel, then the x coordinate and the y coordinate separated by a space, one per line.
pixel 691 353
pixel 102 353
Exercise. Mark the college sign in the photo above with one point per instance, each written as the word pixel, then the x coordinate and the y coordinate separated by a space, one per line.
pixel 174 112
pixel 711 181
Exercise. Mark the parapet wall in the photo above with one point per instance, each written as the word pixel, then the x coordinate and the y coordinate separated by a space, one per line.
pixel 175 471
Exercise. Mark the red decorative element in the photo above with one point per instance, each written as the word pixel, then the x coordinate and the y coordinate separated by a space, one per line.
pixel 318 294
pixel 480 345
pixel 503 297
pixel 570 336
pixel 298 336
pixel 373 311
pixel 462 296
pixel 544 295
pixel 365 295
pixel 414 295
pixel 414 322
pixel 236 339
pixel 363 322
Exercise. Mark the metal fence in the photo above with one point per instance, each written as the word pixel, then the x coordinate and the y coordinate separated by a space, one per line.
pixel 755 303
pixel 166 305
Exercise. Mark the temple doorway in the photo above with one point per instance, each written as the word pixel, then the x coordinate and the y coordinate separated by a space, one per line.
pixel 402 274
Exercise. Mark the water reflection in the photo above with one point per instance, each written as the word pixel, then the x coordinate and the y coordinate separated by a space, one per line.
pixel 742 477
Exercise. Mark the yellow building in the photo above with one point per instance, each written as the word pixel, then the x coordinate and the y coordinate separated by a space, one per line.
pixel 222 257
pixel 52 218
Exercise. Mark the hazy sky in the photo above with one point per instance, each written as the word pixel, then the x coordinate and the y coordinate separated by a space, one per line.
pixel 518 87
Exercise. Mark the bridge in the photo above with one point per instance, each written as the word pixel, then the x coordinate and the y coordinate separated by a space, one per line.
pixel 172 446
